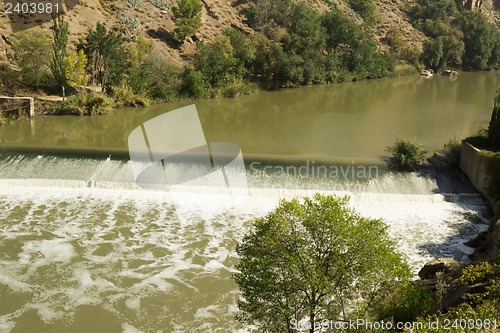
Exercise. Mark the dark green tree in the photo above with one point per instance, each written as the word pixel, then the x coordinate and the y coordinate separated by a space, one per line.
pixel 481 41
pixel 187 18
pixel 107 57
pixel 315 259
pixel 217 62
pixel 494 128
pixel 60 42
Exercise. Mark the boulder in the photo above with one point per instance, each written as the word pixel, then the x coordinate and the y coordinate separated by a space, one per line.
pixel 445 265
pixel 450 73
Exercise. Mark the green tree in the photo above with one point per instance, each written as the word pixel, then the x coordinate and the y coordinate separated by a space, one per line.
pixel 32 54
pixel 187 18
pixel 60 42
pixel 481 41
pixel 75 69
pixel 107 57
pixel 434 9
pixel 217 62
pixel 494 127
pixel 314 260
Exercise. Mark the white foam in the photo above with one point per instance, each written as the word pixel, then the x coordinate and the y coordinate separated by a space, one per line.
pixel 117 246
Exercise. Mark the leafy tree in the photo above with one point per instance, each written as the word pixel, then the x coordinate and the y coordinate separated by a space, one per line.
pixel 216 61
pixel 187 18
pixel 244 51
pixel 32 54
pixel 314 260
pixel 107 57
pixel 60 42
pixel 481 41
pixel 432 55
pixel 406 155
pixel 75 69
pixel 434 9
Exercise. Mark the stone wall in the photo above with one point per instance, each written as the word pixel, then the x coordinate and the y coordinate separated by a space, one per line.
pixel 475 167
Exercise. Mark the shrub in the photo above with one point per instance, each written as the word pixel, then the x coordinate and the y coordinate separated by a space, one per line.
pixel 194 83
pixel 86 104
pixel 406 155
pixel 125 96
pixel 452 151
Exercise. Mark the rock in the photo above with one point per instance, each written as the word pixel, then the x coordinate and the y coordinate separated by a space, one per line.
pixel 445 265
pixel 450 73
pixel 427 73
pixel 479 240
pixel 469 4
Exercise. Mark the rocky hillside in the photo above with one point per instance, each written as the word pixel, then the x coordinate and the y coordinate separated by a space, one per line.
pixel 154 21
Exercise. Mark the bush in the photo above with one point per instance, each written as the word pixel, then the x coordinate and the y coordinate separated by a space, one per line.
pixel 125 96
pixel 452 151
pixel 194 83
pixel 86 104
pixel 406 155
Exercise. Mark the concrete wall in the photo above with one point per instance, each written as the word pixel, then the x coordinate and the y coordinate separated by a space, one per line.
pixel 25 103
pixel 476 168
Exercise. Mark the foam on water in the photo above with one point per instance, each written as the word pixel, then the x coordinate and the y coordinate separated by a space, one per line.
pixel 103 253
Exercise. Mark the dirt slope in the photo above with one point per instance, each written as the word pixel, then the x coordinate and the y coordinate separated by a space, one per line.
pixel 157 25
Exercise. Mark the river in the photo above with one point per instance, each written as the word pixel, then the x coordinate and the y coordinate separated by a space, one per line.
pixel 84 249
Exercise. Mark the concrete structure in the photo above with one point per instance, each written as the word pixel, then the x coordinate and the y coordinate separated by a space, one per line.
pixel 17 105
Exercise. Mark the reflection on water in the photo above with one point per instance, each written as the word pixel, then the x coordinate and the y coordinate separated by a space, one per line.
pixel 349 121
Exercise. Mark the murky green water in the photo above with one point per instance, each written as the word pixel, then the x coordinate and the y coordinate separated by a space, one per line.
pixel 82 250
pixel 345 121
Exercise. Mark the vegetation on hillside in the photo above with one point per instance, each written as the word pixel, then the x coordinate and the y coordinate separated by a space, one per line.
pixel 291 44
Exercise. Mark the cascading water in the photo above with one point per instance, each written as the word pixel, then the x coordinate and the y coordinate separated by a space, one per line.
pixel 82 248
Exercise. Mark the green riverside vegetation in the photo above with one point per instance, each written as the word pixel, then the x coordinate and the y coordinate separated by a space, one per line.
pixel 291 44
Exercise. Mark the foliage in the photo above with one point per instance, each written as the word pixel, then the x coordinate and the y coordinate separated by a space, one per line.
pixel 129 27
pixel 216 61
pixel 314 259
pixel 406 155
pixel 86 104
pixel 366 9
pixel 194 83
pixel 60 42
pixel 494 126
pixel 434 9
pixel 151 74
pixel 480 311
pixel 481 41
pixel 406 302
pixel 187 18
pixel 160 4
pixel 452 151
pixel 107 57
pixel 32 54
pixel 125 96
pixel 75 65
